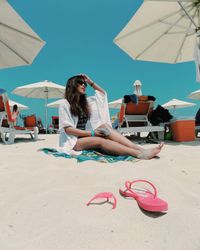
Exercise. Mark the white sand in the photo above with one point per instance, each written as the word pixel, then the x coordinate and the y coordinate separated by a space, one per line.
pixel 43 201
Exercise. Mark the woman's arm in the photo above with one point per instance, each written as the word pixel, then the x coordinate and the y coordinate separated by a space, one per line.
pixel 93 84
pixel 97 87
pixel 83 133
pixel 77 132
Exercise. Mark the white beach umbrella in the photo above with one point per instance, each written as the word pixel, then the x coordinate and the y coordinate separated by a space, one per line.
pixel 137 87
pixel 115 104
pixel 55 104
pixel 19 44
pixel 41 90
pixel 195 95
pixel 162 31
pixel 177 104
pixel 19 105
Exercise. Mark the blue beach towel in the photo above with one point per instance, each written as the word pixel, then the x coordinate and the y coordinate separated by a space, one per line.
pixel 89 155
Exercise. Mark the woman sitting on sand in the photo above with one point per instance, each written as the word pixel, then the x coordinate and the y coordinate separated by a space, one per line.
pixel 84 123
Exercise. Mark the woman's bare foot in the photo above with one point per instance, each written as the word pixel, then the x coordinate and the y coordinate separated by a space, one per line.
pixel 150 153
pixel 160 145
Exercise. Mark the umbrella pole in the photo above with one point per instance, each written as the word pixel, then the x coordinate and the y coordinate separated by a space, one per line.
pixel 46 115
pixel 174 111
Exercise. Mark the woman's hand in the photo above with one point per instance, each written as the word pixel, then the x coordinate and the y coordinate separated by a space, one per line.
pixel 99 133
pixel 87 79
pixel 94 85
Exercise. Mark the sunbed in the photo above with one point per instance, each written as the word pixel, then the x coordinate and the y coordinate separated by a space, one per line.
pixel 133 118
pixel 9 132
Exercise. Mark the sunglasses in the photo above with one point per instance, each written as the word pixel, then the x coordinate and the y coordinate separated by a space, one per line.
pixel 82 84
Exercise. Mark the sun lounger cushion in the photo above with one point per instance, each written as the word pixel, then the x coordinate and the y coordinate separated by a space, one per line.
pixel 135 109
pixel 30 121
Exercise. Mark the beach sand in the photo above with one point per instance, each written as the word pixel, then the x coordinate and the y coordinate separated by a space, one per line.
pixel 43 200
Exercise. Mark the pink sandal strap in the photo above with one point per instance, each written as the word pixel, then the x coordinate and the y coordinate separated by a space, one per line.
pixel 128 185
pixel 106 195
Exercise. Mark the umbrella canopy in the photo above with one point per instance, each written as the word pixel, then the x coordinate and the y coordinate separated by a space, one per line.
pixel 195 95
pixel 20 106
pixel 55 104
pixel 19 44
pixel 41 90
pixel 175 104
pixel 115 104
pixel 162 31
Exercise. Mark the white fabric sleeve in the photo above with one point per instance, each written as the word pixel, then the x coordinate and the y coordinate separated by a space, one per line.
pixel 65 117
pixel 102 103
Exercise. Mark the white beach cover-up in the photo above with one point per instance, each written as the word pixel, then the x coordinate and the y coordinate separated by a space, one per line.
pixel 99 115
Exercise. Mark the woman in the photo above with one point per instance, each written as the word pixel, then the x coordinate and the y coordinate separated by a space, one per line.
pixel 84 123
pixel 15 113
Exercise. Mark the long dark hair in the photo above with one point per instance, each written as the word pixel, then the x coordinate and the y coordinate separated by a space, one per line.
pixel 15 108
pixel 78 103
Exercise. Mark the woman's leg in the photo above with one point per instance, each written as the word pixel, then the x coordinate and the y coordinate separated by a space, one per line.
pixel 113 148
pixel 117 137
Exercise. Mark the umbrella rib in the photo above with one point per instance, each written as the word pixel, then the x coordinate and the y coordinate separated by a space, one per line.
pixel 28 95
pixel 181 32
pixel 53 88
pixel 178 26
pixel 186 34
pixel 191 18
pixel 160 36
pixel 198 17
pixel 15 52
pixel 60 91
pixel 21 32
pixel 149 25
pixel 48 90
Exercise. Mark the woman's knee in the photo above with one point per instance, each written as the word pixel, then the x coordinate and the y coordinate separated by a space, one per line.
pixel 89 143
pixel 105 125
pixel 104 142
pixel 99 141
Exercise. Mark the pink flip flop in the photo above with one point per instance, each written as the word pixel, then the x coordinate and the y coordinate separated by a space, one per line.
pixel 104 195
pixel 145 198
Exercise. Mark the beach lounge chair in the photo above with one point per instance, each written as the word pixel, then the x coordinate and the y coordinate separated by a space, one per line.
pixel 54 126
pixel 8 133
pixel 133 117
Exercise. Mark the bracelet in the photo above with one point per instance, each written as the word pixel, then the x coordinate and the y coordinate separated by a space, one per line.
pixel 92 84
pixel 92 133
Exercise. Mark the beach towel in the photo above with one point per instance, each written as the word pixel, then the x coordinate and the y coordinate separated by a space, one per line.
pixel 88 155
pixel 131 98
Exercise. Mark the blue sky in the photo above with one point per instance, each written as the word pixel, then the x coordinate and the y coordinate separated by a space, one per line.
pixel 79 39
